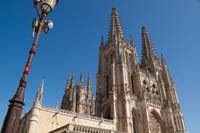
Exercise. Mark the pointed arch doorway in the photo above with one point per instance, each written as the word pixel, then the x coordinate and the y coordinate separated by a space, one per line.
pixel 156 124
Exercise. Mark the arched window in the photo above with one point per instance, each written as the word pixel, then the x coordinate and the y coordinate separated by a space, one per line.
pixel 107 113
pixel 149 70
pixel 135 118
pixel 132 84
pixel 111 59
pixel 134 125
pixel 107 85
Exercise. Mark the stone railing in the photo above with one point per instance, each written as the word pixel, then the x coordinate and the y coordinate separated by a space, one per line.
pixel 72 128
pixel 84 129
pixel 76 114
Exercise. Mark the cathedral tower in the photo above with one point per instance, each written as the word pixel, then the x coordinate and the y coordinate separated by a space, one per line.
pixel 139 97
pixel 115 79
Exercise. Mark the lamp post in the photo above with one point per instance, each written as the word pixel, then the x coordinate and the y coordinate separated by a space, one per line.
pixel 12 119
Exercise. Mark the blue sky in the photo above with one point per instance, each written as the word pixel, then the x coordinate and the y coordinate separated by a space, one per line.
pixel 72 45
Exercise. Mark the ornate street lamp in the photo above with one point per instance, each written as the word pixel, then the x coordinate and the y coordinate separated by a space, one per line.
pixel 12 119
pixel 48 5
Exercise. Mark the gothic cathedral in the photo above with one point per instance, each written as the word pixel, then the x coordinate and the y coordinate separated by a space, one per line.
pixel 131 97
pixel 139 97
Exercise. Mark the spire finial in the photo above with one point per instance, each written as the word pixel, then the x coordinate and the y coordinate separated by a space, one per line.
pixel 115 32
pixel 73 75
pixel 39 94
pixel 131 40
pixel 102 41
pixel 89 83
pixel 163 59
pixel 144 28
pixel 68 82
pixel 89 79
pixel 114 9
pixel 81 79
pixel 72 81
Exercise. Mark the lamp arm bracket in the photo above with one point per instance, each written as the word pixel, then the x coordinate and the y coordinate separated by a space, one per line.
pixel 38 12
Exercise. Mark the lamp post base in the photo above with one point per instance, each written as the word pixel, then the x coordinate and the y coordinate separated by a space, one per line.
pixel 11 122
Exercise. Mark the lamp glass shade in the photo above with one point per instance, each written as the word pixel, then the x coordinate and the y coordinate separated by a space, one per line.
pixel 48 5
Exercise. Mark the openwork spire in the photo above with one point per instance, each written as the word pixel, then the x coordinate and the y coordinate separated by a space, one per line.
pixel 81 79
pixel 72 81
pixel 89 82
pixel 115 32
pixel 166 73
pixel 148 52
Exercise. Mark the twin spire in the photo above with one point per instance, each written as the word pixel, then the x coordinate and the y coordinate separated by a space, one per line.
pixel 39 94
pixel 116 34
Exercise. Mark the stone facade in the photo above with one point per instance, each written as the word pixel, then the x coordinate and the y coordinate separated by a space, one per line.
pixel 44 119
pixel 131 97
